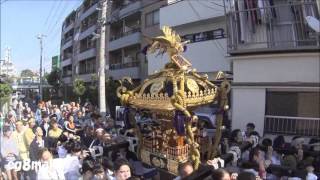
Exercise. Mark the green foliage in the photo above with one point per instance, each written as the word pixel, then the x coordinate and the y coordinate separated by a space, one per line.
pixel 5 90
pixel 79 87
pixel 54 78
pixel 92 90
pixel 27 73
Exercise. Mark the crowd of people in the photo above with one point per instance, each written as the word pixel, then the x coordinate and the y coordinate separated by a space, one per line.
pixel 58 142
pixel 288 159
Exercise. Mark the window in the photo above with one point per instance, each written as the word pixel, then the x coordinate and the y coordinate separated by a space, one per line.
pixel 294 104
pixel 87 66
pixel 67 71
pixel 292 113
pixel 86 44
pixel 205 36
pixel 152 18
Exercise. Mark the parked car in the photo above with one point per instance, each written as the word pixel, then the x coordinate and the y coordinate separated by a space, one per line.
pixel 207 115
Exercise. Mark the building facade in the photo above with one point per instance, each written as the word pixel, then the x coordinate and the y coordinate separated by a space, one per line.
pixel 126 28
pixel 79 46
pixel 6 65
pixel 275 60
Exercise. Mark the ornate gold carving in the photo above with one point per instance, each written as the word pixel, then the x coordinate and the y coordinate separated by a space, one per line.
pixel 192 85
pixel 156 87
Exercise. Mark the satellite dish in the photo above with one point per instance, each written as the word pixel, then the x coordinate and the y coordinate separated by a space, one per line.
pixel 313 23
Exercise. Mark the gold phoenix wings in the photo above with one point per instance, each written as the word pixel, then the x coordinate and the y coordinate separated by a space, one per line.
pixel 169 43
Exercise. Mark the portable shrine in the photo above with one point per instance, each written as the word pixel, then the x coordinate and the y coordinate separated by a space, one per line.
pixel 171 95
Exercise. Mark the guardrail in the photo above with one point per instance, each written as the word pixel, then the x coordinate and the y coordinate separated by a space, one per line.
pixel 124 65
pixel 122 34
pixel 303 126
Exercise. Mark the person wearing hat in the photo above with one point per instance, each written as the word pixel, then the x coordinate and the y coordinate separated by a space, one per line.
pixel 9 153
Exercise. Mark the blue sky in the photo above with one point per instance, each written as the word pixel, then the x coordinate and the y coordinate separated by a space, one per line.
pixel 23 20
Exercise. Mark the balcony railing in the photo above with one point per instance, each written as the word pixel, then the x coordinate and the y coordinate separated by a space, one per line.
pixel 272 28
pixel 122 34
pixel 88 5
pixel 292 125
pixel 67 74
pixel 67 39
pixel 124 65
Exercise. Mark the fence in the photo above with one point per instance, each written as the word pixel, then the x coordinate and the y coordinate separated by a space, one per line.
pixel 292 125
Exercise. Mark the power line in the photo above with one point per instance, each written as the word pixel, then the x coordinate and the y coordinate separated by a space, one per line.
pixel 216 4
pixel 199 17
pixel 210 7
pixel 57 30
pixel 51 10
pixel 54 15
pixel 62 14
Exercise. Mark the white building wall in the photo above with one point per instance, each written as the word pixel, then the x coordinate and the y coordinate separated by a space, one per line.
pixel 188 11
pixel 205 56
pixel 248 105
pixel 294 67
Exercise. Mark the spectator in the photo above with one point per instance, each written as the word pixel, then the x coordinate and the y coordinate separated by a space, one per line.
pixel 70 125
pixel 122 169
pixel 45 124
pixel 236 138
pixel 10 153
pixel 108 167
pixel 87 169
pixel 39 114
pixel 50 168
pixel 98 141
pixel 20 141
pixel 62 151
pixel 184 170
pixel 38 143
pixel 249 128
pixel 220 174
pixel 246 176
pixel 88 136
pixel 99 173
pixel 72 160
pixel 55 131
pixel 28 134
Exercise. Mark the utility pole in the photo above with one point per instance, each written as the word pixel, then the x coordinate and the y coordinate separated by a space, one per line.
pixel 40 37
pixel 102 59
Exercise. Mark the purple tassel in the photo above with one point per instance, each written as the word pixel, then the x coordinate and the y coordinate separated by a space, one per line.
pixel 145 49
pixel 178 123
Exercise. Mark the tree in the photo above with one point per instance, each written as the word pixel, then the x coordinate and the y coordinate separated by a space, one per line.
pixel 54 78
pixel 79 88
pixel 92 90
pixel 27 73
pixel 5 90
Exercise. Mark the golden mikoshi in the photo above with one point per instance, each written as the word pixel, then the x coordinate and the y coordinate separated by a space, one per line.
pixel 175 91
